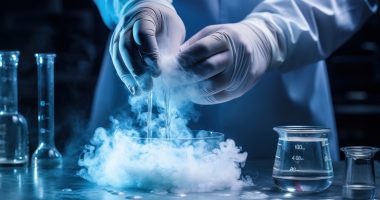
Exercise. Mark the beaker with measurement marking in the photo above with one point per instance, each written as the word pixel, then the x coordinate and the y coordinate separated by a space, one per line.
pixel 302 162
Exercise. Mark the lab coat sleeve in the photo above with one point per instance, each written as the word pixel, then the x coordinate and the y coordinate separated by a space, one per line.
pixel 112 10
pixel 305 31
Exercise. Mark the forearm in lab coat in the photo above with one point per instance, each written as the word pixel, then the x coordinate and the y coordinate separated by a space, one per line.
pixel 306 31
pixel 112 10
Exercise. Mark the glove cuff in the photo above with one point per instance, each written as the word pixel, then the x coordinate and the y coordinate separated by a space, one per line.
pixel 131 5
pixel 277 55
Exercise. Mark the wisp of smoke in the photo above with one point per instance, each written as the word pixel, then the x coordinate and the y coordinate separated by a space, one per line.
pixel 123 157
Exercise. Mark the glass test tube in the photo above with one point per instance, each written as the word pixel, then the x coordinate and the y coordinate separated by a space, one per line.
pixel 46 155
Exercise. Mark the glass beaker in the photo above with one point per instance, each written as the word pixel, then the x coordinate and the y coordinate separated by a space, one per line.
pixel 13 126
pixel 359 181
pixel 302 162
pixel 46 154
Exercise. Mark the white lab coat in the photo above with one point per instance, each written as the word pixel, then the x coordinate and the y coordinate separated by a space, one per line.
pixel 295 92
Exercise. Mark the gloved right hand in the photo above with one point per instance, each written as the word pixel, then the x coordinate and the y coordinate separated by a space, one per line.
pixel 146 29
pixel 225 61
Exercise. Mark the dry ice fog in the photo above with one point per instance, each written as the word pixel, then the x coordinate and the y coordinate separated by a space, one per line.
pixel 119 157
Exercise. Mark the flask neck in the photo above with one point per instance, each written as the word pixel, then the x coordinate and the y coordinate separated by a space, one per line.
pixel 8 89
pixel 46 138
pixel 45 66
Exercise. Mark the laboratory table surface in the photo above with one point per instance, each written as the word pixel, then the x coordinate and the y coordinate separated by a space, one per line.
pixel 29 183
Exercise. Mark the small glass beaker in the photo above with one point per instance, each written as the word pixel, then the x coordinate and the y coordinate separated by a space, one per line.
pixel 302 162
pixel 13 126
pixel 359 181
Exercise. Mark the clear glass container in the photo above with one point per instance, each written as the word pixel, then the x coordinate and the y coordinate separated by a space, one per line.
pixel 13 126
pixel 359 181
pixel 208 139
pixel 303 161
pixel 46 155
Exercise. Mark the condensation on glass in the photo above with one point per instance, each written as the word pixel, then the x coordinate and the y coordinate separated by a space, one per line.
pixel 13 126
pixel 46 155
pixel 359 180
pixel 302 161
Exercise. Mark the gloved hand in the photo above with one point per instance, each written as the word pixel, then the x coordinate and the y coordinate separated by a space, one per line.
pixel 142 32
pixel 226 60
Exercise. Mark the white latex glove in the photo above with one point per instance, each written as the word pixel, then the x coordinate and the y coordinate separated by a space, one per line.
pixel 227 60
pixel 144 29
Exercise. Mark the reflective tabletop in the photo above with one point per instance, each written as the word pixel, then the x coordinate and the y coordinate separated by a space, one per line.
pixel 27 183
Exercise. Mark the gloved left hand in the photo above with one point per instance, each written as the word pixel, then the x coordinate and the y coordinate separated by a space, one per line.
pixel 146 28
pixel 227 60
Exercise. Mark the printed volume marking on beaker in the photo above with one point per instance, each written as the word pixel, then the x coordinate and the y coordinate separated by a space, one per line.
pixel 299 147
pixel 297 158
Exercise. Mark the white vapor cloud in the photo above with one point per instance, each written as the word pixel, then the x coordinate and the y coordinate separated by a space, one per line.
pixel 121 157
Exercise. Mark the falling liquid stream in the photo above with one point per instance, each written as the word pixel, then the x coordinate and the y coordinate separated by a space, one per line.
pixel 167 113
pixel 149 120
pixel 149 98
